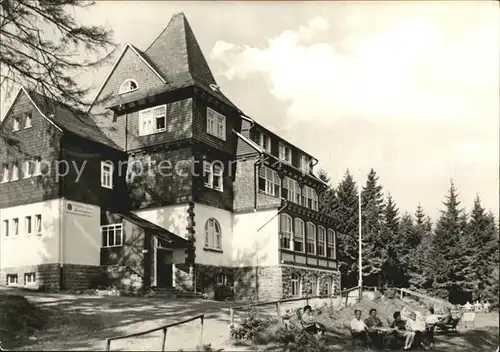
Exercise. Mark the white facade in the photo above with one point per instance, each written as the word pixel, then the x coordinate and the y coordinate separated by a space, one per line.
pixel 30 234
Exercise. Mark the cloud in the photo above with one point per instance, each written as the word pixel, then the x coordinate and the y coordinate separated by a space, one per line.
pixel 412 70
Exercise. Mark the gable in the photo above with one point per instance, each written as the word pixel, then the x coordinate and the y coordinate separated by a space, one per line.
pixel 130 65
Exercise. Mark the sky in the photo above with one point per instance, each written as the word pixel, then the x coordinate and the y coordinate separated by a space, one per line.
pixel 410 89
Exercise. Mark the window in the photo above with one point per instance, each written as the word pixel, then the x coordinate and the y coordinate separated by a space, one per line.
pixel 128 86
pixel 29 168
pixel 331 253
pixel 27 225
pixel 321 241
pixel 220 279
pixel 16 124
pixel 213 236
pixel 263 140
pixel 107 174
pixel 314 289
pixel 309 198
pixel 269 181
pixel 330 286
pixel 38 166
pixel 12 279
pixel 304 163
pixel 112 235
pixel 216 124
pixel 285 153
pixel 15 172
pixel 38 224
pixel 29 278
pixel 286 231
pixel 5 228
pixel 296 285
pixel 15 226
pixel 298 238
pixel 5 173
pixel 153 120
pixel 27 120
pixel 291 190
pixel 213 175
pixel 311 238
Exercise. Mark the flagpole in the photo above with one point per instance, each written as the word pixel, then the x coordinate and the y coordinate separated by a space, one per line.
pixel 360 264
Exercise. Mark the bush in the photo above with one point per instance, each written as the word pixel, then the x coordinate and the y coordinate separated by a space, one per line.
pixel 390 293
pixel 250 326
pixel 223 293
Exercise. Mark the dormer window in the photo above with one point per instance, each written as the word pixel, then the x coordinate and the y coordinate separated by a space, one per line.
pixel 304 163
pixel 216 124
pixel 285 153
pixel 263 140
pixel 27 120
pixel 128 86
pixel 16 124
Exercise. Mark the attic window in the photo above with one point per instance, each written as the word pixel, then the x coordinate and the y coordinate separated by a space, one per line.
pixel 128 86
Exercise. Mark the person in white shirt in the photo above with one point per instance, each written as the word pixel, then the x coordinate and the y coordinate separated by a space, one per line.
pixel 430 323
pixel 418 328
pixel 359 330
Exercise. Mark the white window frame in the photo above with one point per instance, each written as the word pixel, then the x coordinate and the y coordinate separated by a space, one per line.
pixel 38 166
pixel 28 224
pixel 272 181
pixel 331 244
pixel 296 285
pixel 16 124
pixel 285 152
pixel 126 86
pixel 112 229
pixel 309 194
pixel 299 234
pixel 29 279
pixel 5 228
pixel 107 169
pixel 304 163
pixel 150 116
pixel 286 231
pixel 29 168
pixel 215 173
pixel 38 224
pixel 12 282
pixel 294 193
pixel 265 141
pixel 15 172
pixel 15 226
pixel 315 287
pixel 28 120
pixel 310 238
pixel 321 231
pixel 213 235
pixel 5 172
pixel 216 124
pixel 220 279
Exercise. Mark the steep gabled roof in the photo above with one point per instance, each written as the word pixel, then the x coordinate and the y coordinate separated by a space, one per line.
pixel 176 52
pixel 74 121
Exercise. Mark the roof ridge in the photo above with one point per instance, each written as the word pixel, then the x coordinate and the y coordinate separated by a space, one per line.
pixel 164 29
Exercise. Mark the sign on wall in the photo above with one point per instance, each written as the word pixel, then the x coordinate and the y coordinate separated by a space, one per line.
pixel 79 209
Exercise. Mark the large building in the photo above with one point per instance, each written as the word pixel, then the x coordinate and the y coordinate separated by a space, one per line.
pixel 164 183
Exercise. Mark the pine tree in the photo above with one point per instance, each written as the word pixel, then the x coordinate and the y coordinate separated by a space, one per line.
pixel 375 236
pixel 420 217
pixel 482 245
pixel 392 268
pixel 418 241
pixel 327 199
pixel 346 214
pixel 447 243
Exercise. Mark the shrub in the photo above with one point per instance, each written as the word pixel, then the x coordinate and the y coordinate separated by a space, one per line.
pixel 223 293
pixel 390 293
pixel 250 326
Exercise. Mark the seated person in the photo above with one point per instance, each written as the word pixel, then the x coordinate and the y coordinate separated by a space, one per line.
pixel 445 320
pixel 309 322
pixel 358 328
pixel 417 327
pixel 376 335
pixel 430 322
pixel 401 330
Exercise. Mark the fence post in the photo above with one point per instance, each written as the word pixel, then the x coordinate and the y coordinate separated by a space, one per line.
pixel 202 318
pixel 108 344
pixel 164 339
pixel 401 294
pixel 278 313
pixel 231 316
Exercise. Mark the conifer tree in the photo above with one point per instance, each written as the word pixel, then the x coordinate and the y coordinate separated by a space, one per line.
pixel 393 269
pixel 375 236
pixel 346 214
pixel 327 199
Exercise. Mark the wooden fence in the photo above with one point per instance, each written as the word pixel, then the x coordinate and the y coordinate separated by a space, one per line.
pixel 307 299
pixel 164 328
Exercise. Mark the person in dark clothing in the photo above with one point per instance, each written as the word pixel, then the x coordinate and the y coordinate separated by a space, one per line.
pixel 401 331
pixel 309 322
pixel 374 324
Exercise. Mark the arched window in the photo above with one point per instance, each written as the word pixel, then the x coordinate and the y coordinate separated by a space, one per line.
pixel 286 231
pixel 310 198
pixel 321 241
pixel 213 235
pixel 330 287
pixel 296 285
pixel 314 289
pixel 311 238
pixel 298 238
pixel 128 86
pixel 331 252
pixel 291 190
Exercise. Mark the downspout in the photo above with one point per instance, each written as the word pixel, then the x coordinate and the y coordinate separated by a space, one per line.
pixel 61 227
pixel 257 163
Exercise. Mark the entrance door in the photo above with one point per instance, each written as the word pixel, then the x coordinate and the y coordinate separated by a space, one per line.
pixel 164 268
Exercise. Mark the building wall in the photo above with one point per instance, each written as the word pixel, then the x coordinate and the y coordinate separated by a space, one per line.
pixel 82 239
pixel 252 247
pixel 40 140
pixel 129 67
pixel 207 256
pixel 35 249
pixel 173 218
